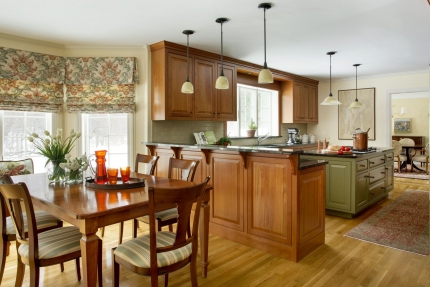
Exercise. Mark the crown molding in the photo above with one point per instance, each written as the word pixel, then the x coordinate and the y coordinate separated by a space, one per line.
pixel 378 76
pixel 31 41
pixel 139 47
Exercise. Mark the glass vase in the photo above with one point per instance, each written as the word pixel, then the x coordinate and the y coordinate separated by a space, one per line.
pixel 74 176
pixel 55 172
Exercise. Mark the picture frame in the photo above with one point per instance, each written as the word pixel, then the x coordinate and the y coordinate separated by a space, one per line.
pixel 351 119
pixel 402 125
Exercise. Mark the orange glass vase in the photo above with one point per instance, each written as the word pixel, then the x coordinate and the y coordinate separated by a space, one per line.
pixel 100 176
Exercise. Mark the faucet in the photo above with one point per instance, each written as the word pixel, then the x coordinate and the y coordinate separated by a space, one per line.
pixel 262 138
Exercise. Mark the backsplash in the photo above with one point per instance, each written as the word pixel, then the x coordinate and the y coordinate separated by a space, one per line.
pixel 182 132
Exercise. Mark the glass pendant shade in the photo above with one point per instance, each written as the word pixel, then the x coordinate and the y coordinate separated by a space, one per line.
pixel 330 101
pixel 265 76
pixel 222 81
pixel 355 104
pixel 187 87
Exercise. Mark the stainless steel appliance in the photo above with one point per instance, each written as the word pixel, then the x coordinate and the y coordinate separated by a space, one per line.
pixel 293 134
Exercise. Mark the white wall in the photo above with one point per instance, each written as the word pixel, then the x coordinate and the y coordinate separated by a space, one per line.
pixel 384 86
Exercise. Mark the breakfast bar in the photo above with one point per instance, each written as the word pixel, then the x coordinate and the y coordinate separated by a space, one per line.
pixel 264 198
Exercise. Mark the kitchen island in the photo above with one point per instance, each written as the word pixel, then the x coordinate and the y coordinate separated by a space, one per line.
pixel 356 181
pixel 264 198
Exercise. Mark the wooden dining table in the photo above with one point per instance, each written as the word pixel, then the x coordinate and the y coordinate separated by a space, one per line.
pixel 92 208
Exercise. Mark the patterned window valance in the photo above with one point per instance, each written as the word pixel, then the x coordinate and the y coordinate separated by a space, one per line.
pixel 31 81
pixel 101 85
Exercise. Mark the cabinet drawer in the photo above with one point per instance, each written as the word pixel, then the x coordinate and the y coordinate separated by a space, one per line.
pixel 362 165
pixel 376 190
pixel 389 157
pixel 377 160
pixel 377 174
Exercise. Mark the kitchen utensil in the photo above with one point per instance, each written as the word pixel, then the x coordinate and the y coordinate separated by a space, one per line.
pixel 305 138
pixel 313 139
pixel 360 139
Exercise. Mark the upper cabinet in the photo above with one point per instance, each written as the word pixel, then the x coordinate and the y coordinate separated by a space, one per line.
pixel 169 71
pixel 299 103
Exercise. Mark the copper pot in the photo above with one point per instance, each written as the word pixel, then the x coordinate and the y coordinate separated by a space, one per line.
pixel 359 140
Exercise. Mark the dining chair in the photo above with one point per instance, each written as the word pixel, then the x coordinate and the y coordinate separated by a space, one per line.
pixel 16 167
pixel 163 252
pixel 178 168
pixel 397 154
pixel 422 157
pixel 40 249
pixel 151 163
pixel 44 222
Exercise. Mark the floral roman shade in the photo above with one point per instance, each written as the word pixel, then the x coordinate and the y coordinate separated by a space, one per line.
pixel 31 81
pixel 101 85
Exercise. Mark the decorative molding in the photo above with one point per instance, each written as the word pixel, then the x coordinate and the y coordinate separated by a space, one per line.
pixel 31 41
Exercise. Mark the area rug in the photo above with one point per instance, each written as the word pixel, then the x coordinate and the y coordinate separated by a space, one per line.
pixel 415 175
pixel 403 224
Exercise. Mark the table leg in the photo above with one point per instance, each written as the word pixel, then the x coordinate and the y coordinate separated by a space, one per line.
pixel 204 235
pixel 89 250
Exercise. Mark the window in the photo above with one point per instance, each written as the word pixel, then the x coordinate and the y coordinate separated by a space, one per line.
pixel 111 132
pixel 260 105
pixel 16 127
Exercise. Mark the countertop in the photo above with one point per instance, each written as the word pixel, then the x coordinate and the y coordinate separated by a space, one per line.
pixel 303 164
pixel 378 151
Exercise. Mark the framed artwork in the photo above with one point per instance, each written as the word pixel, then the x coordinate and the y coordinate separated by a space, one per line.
pixel 402 125
pixel 363 118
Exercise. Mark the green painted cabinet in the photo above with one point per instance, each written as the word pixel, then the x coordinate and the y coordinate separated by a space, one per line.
pixel 355 183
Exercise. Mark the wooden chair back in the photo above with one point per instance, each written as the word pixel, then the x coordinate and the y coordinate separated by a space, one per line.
pixel 4 211
pixel 185 168
pixel 18 201
pixel 149 160
pixel 183 198
pixel 407 142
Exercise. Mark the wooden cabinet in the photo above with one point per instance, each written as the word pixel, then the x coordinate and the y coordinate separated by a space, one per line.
pixel 299 105
pixel 354 184
pixel 169 72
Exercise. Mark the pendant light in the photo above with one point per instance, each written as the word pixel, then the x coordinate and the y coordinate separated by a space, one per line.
pixel 187 87
pixel 355 104
pixel 330 100
pixel 222 81
pixel 265 76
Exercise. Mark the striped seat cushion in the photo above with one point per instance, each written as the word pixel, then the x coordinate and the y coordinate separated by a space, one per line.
pixel 162 215
pixel 55 242
pixel 43 220
pixel 136 251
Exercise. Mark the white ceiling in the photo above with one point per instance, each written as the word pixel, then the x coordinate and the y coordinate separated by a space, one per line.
pixel 385 36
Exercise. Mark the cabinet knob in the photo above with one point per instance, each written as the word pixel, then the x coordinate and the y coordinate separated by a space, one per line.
pixel 372 193
pixel 372 162
pixel 382 187
pixel 362 165
pixel 382 159
pixel 383 172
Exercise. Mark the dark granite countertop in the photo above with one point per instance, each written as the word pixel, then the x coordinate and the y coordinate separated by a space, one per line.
pixel 377 152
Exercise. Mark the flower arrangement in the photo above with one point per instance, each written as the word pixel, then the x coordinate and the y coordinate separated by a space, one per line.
pixel 74 168
pixel 54 148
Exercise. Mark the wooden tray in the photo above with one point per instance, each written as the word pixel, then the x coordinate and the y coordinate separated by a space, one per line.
pixel 132 183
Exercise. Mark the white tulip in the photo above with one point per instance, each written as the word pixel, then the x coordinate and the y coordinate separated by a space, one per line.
pixel 46 132
pixel 30 139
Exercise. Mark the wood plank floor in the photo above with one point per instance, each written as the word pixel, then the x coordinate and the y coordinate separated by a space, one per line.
pixel 341 261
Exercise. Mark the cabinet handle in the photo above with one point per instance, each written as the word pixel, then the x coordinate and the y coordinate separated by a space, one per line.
pixel 368 176
pixel 382 159
pixel 382 187
pixel 372 162
pixel 390 157
pixel 362 165
pixel 383 172
pixel 372 193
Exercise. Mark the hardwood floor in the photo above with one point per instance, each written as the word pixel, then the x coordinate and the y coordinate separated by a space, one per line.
pixel 342 261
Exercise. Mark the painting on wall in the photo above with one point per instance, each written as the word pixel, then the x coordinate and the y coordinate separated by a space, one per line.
pixel 352 119
pixel 402 125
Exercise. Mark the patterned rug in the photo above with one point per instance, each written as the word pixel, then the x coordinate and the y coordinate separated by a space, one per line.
pixel 403 224
pixel 416 174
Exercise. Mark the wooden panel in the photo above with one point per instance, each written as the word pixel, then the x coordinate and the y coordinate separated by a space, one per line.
pixel 178 103
pixel 361 191
pixel 377 160
pixel 339 192
pixel 311 207
pixel 269 198
pixel 226 100
pixel 204 89
pixel 201 171
pixel 304 102
pixel 296 102
pixel 376 174
pixel 227 195
pixel 163 162
pixel 286 105
pixel 313 104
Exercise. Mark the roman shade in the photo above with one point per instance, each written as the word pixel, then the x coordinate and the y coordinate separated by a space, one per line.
pixel 101 85
pixel 31 81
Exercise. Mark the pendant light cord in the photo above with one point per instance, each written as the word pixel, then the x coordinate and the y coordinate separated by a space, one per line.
pixel 356 84
pixel 330 76
pixel 222 61
pixel 188 36
pixel 265 63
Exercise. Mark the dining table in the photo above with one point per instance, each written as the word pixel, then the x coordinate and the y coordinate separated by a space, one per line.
pixel 90 208
pixel 408 149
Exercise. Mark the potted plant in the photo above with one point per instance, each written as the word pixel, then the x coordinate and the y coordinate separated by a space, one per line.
pixel 224 141
pixel 252 128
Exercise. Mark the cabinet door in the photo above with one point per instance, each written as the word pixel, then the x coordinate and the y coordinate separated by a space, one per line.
pixel 297 115
pixel 178 104
pixel 389 176
pixel 226 100
pixel 338 191
pixel 362 191
pixel 304 102
pixel 204 89
pixel 313 104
